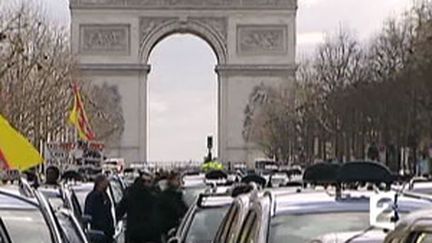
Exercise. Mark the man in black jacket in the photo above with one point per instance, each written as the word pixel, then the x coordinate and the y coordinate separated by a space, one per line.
pixel 140 205
pixel 171 205
pixel 98 206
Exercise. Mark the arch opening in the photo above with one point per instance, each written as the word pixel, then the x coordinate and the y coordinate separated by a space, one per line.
pixel 215 40
pixel 182 100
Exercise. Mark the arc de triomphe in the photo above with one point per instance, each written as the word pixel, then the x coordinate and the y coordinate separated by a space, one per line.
pixel 254 41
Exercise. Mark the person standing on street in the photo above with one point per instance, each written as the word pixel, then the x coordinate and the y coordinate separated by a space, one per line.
pixel 171 204
pixel 52 176
pixel 98 206
pixel 140 205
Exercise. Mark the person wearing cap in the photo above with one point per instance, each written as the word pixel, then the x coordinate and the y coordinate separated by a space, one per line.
pixel 98 206
pixel 140 205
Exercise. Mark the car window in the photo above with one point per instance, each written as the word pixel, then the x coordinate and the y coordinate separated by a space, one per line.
pixel 81 195
pixel 248 224
pixel 70 229
pixel 4 235
pixel 254 230
pixel 227 223
pixel 204 224
pixel 26 226
pixel 305 227
pixel 191 193
pixel 233 221
pixel 422 237
pixel 117 191
pixel 76 206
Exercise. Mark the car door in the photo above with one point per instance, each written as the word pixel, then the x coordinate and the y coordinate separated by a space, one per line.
pixel 4 234
pixel 256 223
pixel 49 216
pixel 76 207
pixel 71 227
pixel 223 233
pixel 119 224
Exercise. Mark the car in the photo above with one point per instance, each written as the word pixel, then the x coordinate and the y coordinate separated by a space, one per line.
pixel 202 219
pixel 319 215
pixel 231 224
pixel 279 179
pixel 416 227
pixel 115 165
pixel 73 226
pixel 420 185
pixel 193 185
pixel 79 192
pixel 24 219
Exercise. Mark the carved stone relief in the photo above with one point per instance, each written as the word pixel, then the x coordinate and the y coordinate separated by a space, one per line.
pixel 218 25
pixel 262 39
pixel 100 38
pixel 148 24
pixel 225 4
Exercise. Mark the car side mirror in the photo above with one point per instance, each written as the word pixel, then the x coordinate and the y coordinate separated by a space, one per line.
pixel 174 240
pixel 96 236
pixel 171 233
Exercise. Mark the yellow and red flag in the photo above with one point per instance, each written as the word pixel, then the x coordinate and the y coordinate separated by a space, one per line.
pixel 16 152
pixel 78 117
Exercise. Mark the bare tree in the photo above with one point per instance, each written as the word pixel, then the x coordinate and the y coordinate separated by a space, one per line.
pixel 36 72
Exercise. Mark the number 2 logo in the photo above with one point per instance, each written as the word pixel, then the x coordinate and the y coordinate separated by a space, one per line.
pixel 381 210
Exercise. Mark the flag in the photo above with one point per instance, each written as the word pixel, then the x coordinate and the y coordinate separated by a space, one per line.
pixel 78 117
pixel 16 152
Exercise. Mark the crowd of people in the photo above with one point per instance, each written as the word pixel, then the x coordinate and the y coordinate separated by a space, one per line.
pixel 153 205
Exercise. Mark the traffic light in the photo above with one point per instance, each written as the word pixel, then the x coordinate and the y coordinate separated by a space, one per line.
pixel 209 142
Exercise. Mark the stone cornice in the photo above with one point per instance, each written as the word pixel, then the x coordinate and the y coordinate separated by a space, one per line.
pixel 119 67
pixel 255 69
pixel 185 4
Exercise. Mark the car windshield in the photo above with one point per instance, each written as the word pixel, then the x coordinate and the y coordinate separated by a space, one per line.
pixel 26 226
pixel 54 198
pixel 117 191
pixel 81 196
pixel 205 224
pixel 305 227
pixel 191 193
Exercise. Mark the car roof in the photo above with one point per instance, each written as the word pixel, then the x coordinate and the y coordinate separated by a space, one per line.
pixel 84 187
pixel 322 201
pixel 15 202
pixel 193 181
pixel 414 216
pixel 50 192
pixel 376 235
pixel 210 201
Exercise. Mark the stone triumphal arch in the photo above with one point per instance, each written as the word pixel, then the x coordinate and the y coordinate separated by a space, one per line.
pixel 254 41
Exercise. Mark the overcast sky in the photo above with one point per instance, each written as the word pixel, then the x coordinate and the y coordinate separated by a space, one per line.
pixel 183 86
